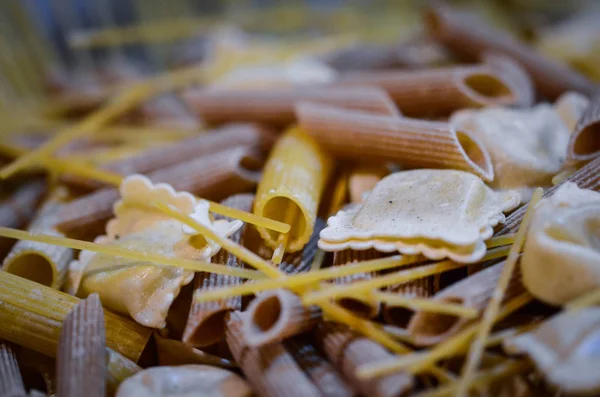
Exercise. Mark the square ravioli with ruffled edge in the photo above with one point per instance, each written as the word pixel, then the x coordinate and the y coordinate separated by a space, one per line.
pixel 436 213
pixel 138 288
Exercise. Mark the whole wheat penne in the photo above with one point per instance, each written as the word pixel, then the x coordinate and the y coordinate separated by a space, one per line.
pixel 587 177
pixel 302 261
pixel 81 358
pixel 329 382
pixel 400 316
pixel 271 369
pixel 427 328
pixel 360 307
pixel 470 38
pixel 206 144
pixel 176 352
pixel 11 383
pixel 363 179
pixel 36 365
pixel 18 209
pixel 213 177
pixel 42 263
pixel 290 190
pixel 275 106
pixel 585 139
pixel 31 316
pixel 275 315
pixel 206 320
pixel 119 368
pixel 350 134
pixel 347 351
pixel 441 91
pixel 168 111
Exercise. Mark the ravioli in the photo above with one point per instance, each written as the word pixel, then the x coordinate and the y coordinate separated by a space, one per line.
pixel 527 146
pixel 140 289
pixel 436 213
pixel 561 258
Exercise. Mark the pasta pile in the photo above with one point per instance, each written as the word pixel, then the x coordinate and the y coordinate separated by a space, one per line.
pixel 332 220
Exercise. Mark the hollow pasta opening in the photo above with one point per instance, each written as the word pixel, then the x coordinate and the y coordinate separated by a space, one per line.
pixel 211 330
pixel 267 314
pixel 435 325
pixel 34 267
pixel 396 315
pixel 588 140
pixel 358 307
pixel 279 208
pixel 487 86
pixel 476 153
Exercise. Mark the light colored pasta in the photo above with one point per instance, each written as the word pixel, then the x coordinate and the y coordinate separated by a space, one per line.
pixel 11 383
pixel 471 38
pixel 33 314
pixel 42 263
pixel 119 368
pixel 293 180
pixel 81 358
pixel 376 138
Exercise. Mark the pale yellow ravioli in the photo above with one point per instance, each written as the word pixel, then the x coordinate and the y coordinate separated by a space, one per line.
pixel 140 289
pixel 437 213
pixel 561 259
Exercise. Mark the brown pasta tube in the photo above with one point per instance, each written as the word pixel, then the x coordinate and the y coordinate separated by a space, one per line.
pixel 400 316
pixel 329 382
pixel 585 140
pixel 206 320
pixel 43 263
pixel 360 307
pixel 440 91
pixel 470 38
pixel 271 369
pixel 475 291
pixel 275 315
pixel 206 144
pixel 351 134
pixel 347 351
pixel 276 106
pixel 587 177
pixel 11 383
pixel 18 209
pixel 81 358
pixel 363 179
pixel 31 316
pixel 213 177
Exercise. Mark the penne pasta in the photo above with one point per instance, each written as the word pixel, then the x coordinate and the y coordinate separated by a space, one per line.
pixel 329 382
pixel 290 190
pixel 42 263
pixel 176 352
pixel 471 38
pixel 119 368
pixel 362 180
pixel 271 369
pixel 11 383
pixel 19 208
pixel 585 139
pixel 81 358
pixel 347 351
pixel 400 315
pixel 166 156
pixel 214 177
pixel 475 291
pixel 441 91
pixel 206 320
pixel 32 315
pixel 360 307
pixel 276 315
pixel 376 138
pixel 275 106
pixel 587 177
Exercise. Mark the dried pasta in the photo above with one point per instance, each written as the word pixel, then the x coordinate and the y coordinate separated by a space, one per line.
pixel 293 180
pixel 440 91
pixel 206 320
pixel 42 263
pixel 351 134
pixel 81 358
pixel 11 383
pixel 471 38
pixel 585 139
pixel 275 106
pixel 399 315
